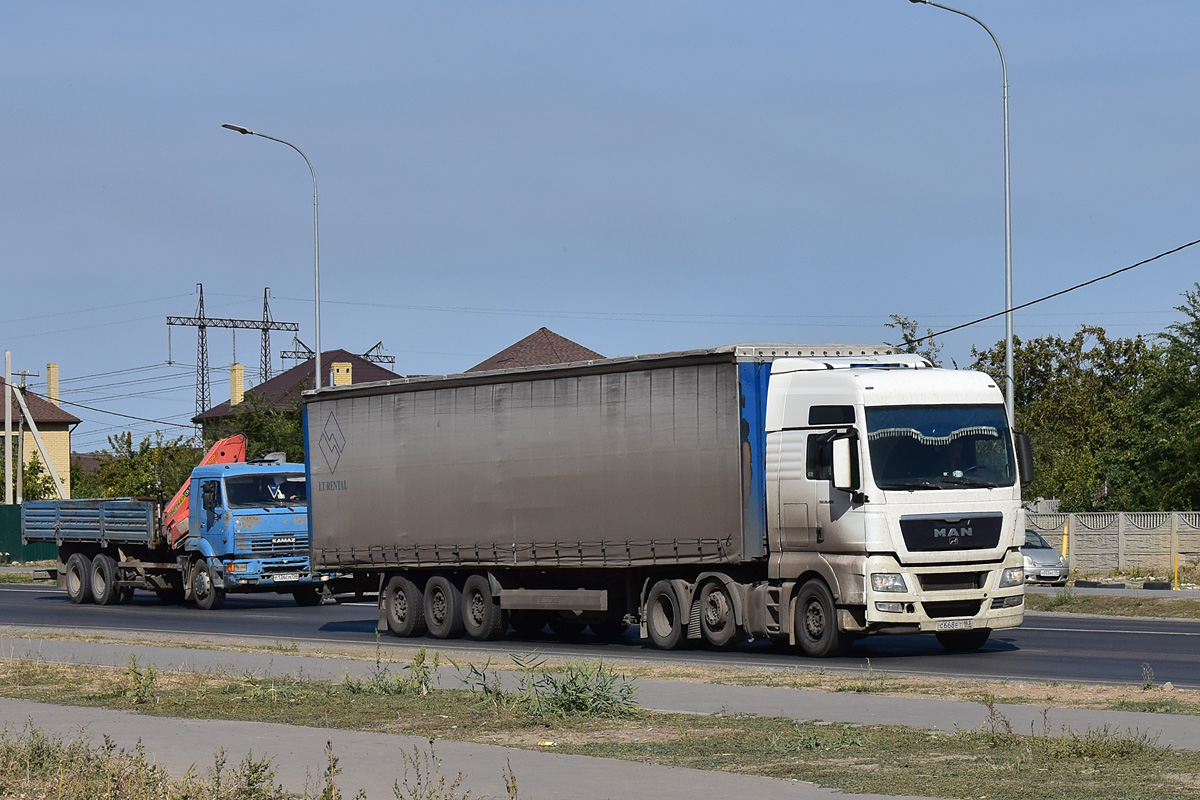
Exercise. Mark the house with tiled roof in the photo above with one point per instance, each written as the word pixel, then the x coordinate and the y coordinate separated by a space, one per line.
pixel 543 346
pixel 282 392
pixel 54 426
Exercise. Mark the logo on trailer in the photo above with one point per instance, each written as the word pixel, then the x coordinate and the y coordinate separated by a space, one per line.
pixel 332 443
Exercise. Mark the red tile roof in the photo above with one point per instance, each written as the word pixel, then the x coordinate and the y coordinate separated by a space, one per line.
pixel 284 389
pixel 42 411
pixel 543 346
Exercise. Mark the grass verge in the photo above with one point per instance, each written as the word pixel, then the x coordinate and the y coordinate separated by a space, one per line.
pixel 1073 602
pixel 992 761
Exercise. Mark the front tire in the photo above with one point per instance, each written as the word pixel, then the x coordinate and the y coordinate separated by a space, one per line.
pixel 204 589
pixel 443 608
pixel 817 632
pixel 79 578
pixel 404 607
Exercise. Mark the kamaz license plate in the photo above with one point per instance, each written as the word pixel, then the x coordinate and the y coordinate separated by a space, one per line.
pixel 955 625
pixel 286 577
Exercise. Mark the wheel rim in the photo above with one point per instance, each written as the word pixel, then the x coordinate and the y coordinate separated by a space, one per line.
pixel 202 584
pixel 399 606
pixel 477 609
pixel 98 583
pixel 716 611
pixel 437 606
pixel 74 581
pixel 814 620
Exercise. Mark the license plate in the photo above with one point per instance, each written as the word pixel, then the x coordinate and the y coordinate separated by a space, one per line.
pixel 955 625
pixel 286 577
pixel 1050 573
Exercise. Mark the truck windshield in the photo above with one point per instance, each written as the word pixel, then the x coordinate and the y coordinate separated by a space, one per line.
pixel 279 489
pixel 940 447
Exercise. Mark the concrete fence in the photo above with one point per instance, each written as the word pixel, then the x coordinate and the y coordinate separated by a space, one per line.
pixel 1140 543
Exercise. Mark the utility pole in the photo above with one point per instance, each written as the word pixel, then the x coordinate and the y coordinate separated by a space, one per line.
pixel 202 323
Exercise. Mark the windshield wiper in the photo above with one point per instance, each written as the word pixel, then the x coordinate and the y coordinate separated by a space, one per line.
pixel 973 483
pixel 921 484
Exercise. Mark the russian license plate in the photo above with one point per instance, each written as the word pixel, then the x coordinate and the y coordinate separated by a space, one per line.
pixel 955 625
pixel 1050 573
pixel 286 577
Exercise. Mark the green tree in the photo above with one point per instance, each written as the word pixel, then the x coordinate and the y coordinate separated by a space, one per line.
pixel 1067 394
pixel 149 469
pixel 36 483
pixel 925 346
pixel 1155 462
pixel 267 429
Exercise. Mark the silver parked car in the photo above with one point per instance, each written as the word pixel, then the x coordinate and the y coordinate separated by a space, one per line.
pixel 1043 562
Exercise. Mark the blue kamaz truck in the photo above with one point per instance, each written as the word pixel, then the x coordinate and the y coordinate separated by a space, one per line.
pixel 245 530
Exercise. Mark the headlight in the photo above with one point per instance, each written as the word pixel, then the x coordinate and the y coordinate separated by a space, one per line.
pixel 1028 562
pixel 231 566
pixel 888 582
pixel 1013 576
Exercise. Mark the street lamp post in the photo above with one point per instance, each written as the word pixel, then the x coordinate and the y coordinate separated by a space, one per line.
pixel 1009 382
pixel 316 243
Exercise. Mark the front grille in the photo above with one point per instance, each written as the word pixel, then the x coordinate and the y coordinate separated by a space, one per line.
pixel 926 534
pixel 951 581
pixel 952 608
pixel 272 544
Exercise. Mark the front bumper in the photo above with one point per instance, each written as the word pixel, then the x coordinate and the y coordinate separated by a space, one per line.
pixel 949 597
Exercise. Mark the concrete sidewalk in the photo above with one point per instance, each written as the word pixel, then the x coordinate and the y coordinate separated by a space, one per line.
pixel 372 761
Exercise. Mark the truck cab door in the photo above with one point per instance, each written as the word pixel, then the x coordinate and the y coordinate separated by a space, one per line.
pixel 213 502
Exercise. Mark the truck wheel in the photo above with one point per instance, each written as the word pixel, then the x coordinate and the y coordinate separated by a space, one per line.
pixel 443 608
pixel 204 590
pixel 964 641
pixel 483 618
pixel 664 620
pixel 404 607
pixel 104 580
pixel 307 596
pixel 717 620
pixel 528 623
pixel 79 578
pixel 816 622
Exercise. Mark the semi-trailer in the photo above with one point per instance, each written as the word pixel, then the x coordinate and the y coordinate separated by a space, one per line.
pixel 810 494
pixel 232 527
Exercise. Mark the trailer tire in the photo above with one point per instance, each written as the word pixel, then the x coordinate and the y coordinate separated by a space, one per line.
pixel 79 578
pixel 483 619
pixel 664 617
pixel 817 632
pixel 964 641
pixel 611 626
pixel 104 576
pixel 204 589
pixel 443 608
pixel 528 623
pixel 718 622
pixel 567 627
pixel 404 607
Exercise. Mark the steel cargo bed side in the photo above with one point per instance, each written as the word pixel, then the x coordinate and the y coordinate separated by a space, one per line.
pixel 100 522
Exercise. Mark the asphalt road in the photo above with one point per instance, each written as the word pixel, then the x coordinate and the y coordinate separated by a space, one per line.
pixel 1066 648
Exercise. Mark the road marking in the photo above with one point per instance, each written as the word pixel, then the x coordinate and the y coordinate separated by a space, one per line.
pixel 1113 630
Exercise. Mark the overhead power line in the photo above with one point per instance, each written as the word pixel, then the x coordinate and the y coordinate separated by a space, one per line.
pixel 1060 292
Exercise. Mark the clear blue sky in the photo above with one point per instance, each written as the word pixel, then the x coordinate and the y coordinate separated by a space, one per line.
pixel 639 177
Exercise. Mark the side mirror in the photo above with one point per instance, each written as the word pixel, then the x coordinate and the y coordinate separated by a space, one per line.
pixel 1024 458
pixel 846 475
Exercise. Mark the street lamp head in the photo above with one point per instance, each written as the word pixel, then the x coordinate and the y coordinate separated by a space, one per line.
pixel 242 130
